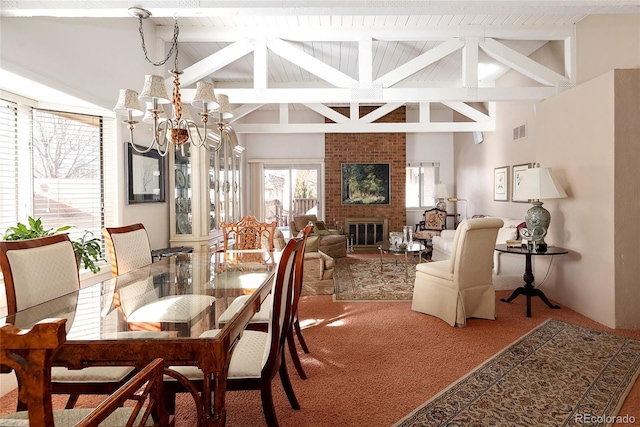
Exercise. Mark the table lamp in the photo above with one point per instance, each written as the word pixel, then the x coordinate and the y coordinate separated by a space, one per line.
pixel 441 193
pixel 539 183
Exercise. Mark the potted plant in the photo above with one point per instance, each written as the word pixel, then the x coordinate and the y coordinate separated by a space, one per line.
pixel 87 248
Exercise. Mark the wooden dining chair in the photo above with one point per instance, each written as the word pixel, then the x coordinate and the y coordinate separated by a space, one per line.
pixel 128 246
pixel 38 270
pixel 30 354
pixel 258 356
pixel 248 233
pixel 260 321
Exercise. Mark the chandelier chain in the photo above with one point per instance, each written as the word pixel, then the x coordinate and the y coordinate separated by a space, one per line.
pixel 174 45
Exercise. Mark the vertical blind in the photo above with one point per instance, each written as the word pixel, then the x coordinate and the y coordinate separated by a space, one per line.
pixel 421 179
pixel 51 167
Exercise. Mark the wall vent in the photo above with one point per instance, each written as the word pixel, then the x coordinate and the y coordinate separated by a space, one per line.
pixel 520 132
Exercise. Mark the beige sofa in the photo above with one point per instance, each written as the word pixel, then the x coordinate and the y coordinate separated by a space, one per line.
pixel 333 244
pixel 508 269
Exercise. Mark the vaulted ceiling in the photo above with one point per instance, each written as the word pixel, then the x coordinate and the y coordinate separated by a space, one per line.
pixel 313 55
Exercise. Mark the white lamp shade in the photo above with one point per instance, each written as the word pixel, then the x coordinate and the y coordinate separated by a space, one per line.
pixel 154 88
pixel 128 102
pixel 205 95
pixel 148 115
pixel 224 108
pixel 540 183
pixel 441 191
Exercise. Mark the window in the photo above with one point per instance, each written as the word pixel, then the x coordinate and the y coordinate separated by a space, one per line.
pixel 51 167
pixel 420 183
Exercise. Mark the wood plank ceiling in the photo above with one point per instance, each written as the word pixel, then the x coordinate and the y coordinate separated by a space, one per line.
pixel 295 55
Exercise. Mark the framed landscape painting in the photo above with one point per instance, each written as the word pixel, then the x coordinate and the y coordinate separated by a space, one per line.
pixel 365 183
pixel 517 172
pixel 501 184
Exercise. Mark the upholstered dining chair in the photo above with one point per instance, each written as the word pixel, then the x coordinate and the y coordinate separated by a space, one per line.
pixel 260 321
pixel 460 287
pixel 38 270
pixel 129 247
pixel 259 356
pixel 248 233
pixel 30 354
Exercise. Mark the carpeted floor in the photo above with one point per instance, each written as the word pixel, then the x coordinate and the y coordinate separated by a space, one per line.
pixel 557 374
pixel 373 363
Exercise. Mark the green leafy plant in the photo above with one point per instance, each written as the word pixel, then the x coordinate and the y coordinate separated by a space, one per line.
pixel 32 231
pixel 87 249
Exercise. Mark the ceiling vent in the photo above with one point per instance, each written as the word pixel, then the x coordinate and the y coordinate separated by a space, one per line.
pixel 520 132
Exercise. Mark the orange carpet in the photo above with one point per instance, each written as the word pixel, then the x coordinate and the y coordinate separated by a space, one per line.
pixel 373 363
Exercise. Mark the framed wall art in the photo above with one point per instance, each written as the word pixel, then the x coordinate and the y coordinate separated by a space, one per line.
pixel 517 171
pixel 501 184
pixel 365 183
pixel 145 176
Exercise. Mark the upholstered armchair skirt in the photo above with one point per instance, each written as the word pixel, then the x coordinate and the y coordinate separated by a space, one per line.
pixel 461 286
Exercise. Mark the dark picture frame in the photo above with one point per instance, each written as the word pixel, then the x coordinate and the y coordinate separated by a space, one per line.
pixel 365 183
pixel 145 176
pixel 517 171
pixel 501 184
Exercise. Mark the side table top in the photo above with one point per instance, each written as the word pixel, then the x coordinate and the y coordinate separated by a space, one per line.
pixel 551 250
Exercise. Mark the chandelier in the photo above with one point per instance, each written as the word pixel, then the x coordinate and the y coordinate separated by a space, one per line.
pixel 178 129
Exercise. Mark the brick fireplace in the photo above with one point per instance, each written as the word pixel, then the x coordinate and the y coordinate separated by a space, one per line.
pixel 367 148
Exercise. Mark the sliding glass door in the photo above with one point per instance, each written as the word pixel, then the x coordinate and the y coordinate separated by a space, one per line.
pixel 291 190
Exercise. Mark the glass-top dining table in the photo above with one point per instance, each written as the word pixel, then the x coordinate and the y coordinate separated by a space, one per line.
pixel 160 310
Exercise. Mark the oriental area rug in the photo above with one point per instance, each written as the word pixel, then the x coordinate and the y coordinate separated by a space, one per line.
pixel 559 374
pixel 360 278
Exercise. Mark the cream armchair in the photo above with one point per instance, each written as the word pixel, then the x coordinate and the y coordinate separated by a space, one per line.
pixel 461 286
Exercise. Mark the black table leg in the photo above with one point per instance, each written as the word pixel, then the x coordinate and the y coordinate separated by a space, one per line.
pixel 528 289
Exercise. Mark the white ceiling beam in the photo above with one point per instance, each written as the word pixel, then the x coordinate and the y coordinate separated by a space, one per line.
pixel 380 112
pixel 356 127
pixel 260 73
pixel 311 64
pixel 216 61
pixel 355 33
pixel 521 63
pixel 243 110
pixel 470 63
pixel 404 95
pixel 327 112
pixel 420 62
pixel 468 111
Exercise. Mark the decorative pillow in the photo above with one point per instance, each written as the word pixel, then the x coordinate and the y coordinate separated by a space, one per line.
pixel 320 228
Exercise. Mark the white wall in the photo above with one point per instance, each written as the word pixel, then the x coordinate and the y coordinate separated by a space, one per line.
pixel 91 59
pixel 577 134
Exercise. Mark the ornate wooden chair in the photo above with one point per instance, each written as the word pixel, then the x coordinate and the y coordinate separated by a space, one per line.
pixel 435 220
pixel 30 354
pixel 248 234
pixel 38 270
pixel 259 356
